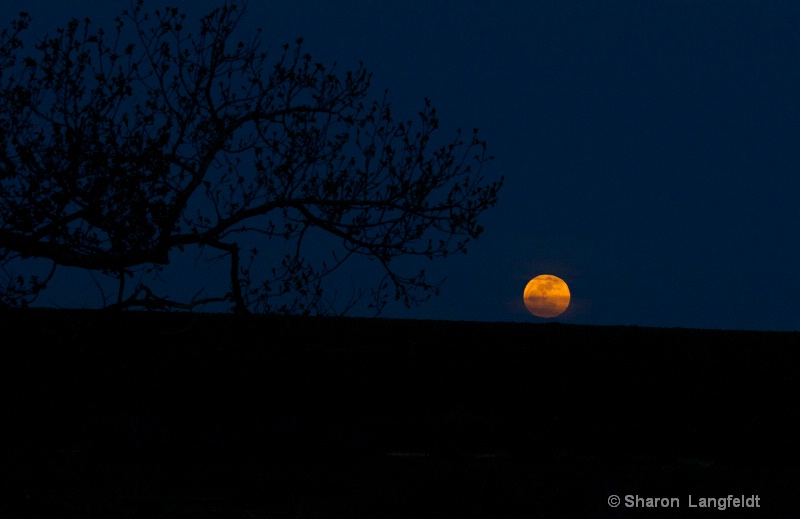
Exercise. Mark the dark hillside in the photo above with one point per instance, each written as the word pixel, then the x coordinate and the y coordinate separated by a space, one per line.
pixel 205 415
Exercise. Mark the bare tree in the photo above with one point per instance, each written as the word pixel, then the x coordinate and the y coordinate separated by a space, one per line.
pixel 119 149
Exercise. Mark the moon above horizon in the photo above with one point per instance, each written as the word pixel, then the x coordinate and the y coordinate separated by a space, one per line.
pixel 546 296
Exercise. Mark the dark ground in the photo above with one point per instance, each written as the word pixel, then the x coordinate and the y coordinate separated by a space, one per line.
pixel 204 415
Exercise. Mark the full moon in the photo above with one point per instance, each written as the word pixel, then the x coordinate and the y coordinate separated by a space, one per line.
pixel 546 296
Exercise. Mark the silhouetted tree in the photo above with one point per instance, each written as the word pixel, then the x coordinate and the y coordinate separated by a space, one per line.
pixel 119 148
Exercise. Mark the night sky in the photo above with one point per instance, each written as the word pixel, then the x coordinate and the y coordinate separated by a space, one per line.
pixel 651 150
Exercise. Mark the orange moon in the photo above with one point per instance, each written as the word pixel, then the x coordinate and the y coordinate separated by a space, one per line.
pixel 546 296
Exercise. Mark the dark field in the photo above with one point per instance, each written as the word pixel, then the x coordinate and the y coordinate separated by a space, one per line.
pixel 205 415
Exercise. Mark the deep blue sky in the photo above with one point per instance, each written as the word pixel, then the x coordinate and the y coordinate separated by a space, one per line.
pixel 651 150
